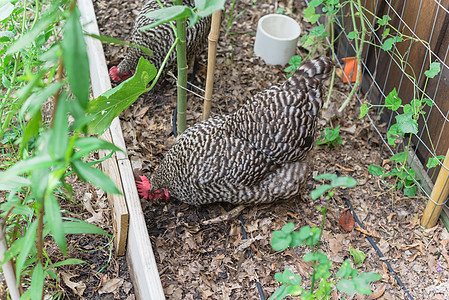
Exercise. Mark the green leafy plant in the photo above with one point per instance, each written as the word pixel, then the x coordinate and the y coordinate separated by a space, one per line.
pixel 44 59
pixel 400 134
pixel 329 136
pixel 322 281
pixel 294 64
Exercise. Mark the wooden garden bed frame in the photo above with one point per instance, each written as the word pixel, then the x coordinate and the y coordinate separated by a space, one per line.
pixel 131 235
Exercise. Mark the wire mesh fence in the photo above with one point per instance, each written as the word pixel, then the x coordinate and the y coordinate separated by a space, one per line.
pixel 402 49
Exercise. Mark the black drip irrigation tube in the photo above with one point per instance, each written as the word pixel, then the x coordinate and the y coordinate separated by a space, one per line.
pixel 245 236
pixel 373 244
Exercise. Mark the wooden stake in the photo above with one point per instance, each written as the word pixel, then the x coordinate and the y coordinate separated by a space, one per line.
pixel 211 57
pixel 439 195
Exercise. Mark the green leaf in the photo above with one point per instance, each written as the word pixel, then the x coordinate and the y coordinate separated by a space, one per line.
pixel 280 293
pixel 410 191
pixel 320 190
pixel 296 239
pixel 54 222
pixel 357 255
pixel 27 243
pixel 310 15
pixel 375 170
pixel 95 176
pixel 37 282
pixel 206 8
pixel 29 37
pixel 80 227
pixel 388 43
pixel 75 58
pixel 392 101
pixel 346 286
pixel 384 20
pixel 70 261
pixel 393 134
pixel 167 14
pixel 326 176
pixel 287 228
pixel 370 276
pixel 434 69
pixel 109 105
pixel 287 277
pixel 280 240
pixel 352 35
pixel 89 144
pixel 434 161
pixel 9 180
pixel 59 133
pixel 319 31
pixel 406 123
pixel 399 157
pixel 346 271
pixel 318 256
pixel 344 181
pixel 6 10
pixel 112 40
pixel 429 102
pixel 315 3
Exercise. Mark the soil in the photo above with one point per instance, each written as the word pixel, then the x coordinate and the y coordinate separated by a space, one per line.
pixel 198 261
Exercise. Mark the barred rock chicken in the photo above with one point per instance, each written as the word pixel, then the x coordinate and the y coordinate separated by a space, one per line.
pixel 256 155
pixel 160 39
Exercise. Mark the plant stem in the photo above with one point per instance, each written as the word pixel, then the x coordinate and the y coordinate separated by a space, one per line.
pixel 331 85
pixel 359 49
pixel 182 71
pixel 39 232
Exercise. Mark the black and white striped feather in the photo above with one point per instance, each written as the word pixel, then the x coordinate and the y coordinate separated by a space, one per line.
pixel 160 38
pixel 257 154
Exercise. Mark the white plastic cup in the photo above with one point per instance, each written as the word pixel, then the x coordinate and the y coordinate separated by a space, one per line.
pixel 276 39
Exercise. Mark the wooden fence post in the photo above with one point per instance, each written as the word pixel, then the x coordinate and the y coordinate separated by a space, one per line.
pixel 438 197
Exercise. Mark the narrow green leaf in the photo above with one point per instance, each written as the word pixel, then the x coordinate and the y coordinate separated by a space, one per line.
pixel 167 14
pixel 112 40
pixel 94 176
pixel 59 135
pixel 27 243
pixel 75 58
pixel 34 103
pixel 10 176
pixel 53 14
pixel 54 221
pixel 6 10
pixel 70 261
pixel 89 144
pixel 109 105
pixel 37 282
pixel 80 227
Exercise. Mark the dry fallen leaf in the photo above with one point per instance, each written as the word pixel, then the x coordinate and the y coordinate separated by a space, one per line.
pixel 77 287
pixel 377 293
pixel 347 221
pixel 368 231
pixel 111 286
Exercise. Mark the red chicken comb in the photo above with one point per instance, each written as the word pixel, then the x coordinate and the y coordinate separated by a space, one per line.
pixel 144 187
pixel 114 72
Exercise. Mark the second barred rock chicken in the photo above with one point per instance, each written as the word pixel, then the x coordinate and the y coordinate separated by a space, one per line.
pixel 160 39
pixel 256 155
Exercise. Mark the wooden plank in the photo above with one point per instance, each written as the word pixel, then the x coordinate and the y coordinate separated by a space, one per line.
pixel 120 215
pixel 142 264
pixel 147 284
